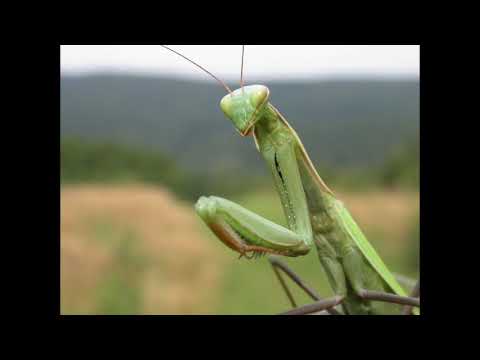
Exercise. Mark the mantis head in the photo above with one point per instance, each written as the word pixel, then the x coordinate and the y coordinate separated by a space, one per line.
pixel 244 105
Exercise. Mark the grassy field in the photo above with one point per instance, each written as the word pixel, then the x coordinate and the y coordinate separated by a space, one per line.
pixel 135 249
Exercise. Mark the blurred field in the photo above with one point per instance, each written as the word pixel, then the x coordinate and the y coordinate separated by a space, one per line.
pixel 135 249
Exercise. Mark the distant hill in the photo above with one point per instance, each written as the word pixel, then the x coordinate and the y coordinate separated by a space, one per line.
pixel 342 123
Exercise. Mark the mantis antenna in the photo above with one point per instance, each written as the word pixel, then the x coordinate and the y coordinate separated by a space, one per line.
pixel 201 67
pixel 241 69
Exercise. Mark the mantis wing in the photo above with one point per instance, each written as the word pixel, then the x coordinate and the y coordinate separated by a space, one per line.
pixel 367 249
pixel 369 252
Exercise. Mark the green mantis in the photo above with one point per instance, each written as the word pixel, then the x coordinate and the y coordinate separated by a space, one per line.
pixel 360 280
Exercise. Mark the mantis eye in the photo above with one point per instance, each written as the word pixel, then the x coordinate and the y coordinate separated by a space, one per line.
pixel 259 96
pixel 226 105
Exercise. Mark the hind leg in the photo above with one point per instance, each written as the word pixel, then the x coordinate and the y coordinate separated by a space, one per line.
pixel 277 265
pixel 325 304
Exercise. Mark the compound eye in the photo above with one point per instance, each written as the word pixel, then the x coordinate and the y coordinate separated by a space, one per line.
pixel 226 105
pixel 259 96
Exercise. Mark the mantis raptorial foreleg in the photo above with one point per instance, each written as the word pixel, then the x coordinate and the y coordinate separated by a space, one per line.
pixel 246 232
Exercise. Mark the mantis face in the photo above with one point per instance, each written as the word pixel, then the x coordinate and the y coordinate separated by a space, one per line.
pixel 244 105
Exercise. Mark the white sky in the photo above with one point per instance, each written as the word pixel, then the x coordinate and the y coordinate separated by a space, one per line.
pixel 261 61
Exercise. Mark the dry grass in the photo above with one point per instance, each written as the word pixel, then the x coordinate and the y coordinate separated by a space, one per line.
pixel 182 270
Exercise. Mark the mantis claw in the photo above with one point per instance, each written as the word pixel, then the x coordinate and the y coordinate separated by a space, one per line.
pixel 249 257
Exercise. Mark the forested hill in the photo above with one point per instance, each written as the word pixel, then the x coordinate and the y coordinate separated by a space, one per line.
pixel 342 123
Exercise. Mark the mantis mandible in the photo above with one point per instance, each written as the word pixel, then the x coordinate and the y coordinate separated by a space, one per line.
pixel 359 278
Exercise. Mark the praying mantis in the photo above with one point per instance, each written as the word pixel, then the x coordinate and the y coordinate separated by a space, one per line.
pixel 315 217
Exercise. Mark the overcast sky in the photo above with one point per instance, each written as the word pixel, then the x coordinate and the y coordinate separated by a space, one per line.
pixel 261 61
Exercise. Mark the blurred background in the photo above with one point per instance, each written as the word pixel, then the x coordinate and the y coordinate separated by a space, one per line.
pixel 142 137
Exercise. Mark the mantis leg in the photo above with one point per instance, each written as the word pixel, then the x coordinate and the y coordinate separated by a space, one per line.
pixel 316 306
pixel 387 297
pixel 277 263
pixel 246 232
pixel 284 285
pixel 407 310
